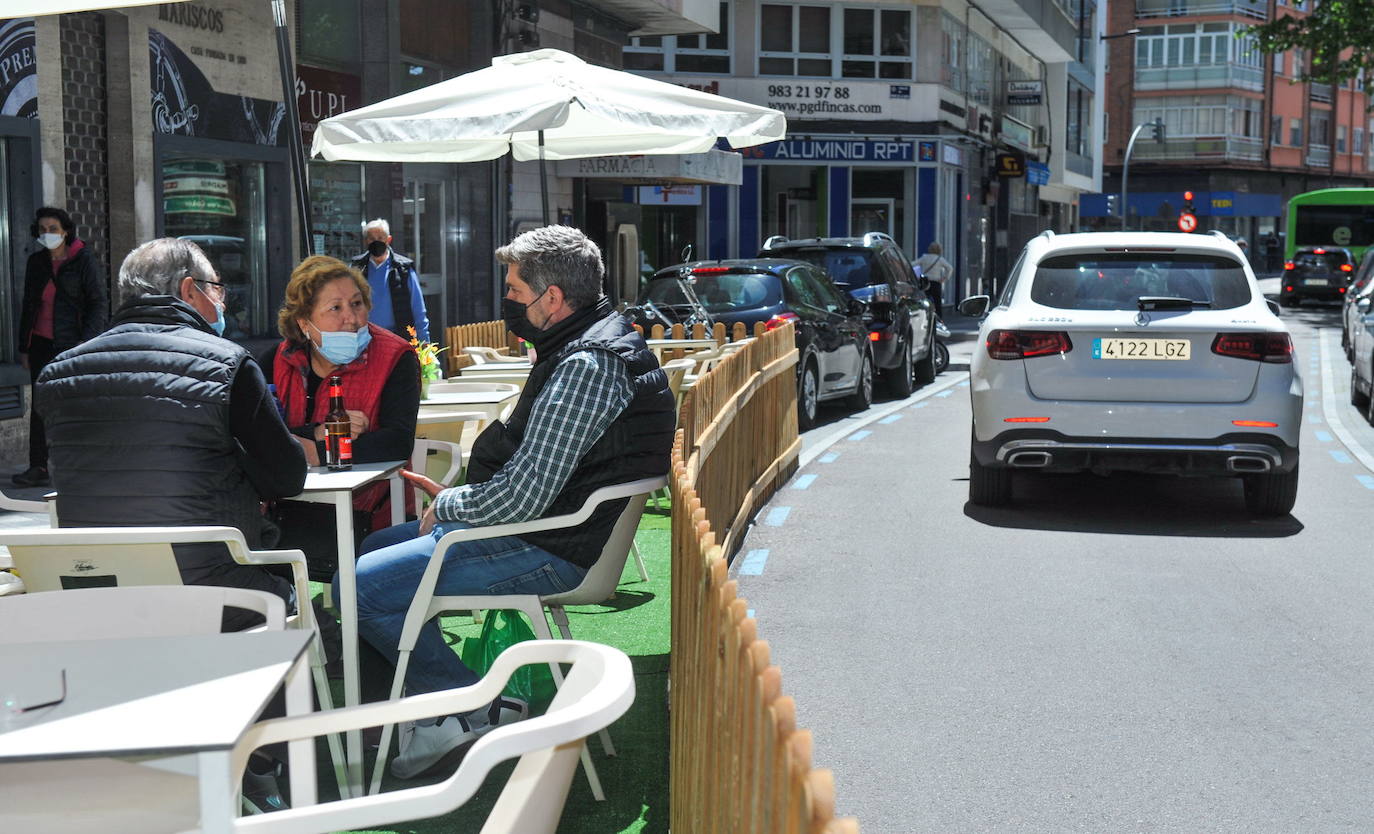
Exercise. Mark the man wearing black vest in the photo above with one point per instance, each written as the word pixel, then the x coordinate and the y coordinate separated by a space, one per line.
pixel 596 411
pixel 159 421
pixel 397 302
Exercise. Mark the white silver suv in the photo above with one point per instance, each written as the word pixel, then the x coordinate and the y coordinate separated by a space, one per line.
pixel 1134 351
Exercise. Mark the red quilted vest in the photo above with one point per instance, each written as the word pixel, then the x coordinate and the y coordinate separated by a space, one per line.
pixel 362 381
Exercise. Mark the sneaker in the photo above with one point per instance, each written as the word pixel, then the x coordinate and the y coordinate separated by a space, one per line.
pixel 34 476
pixel 262 791
pixel 422 748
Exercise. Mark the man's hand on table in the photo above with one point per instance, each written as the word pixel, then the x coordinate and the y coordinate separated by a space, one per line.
pixel 312 454
pixel 431 488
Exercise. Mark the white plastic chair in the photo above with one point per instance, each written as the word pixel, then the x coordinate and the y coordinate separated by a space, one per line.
pixel 130 611
pixel 419 463
pixel 490 356
pixel 597 586
pixel 599 689
pixel 483 385
pixel 54 559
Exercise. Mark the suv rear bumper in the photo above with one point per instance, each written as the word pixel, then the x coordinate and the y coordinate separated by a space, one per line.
pixel 1048 451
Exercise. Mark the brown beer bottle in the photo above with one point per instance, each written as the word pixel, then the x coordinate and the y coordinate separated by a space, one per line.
pixel 338 439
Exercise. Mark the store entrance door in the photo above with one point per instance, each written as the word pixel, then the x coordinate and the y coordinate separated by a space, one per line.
pixel 425 216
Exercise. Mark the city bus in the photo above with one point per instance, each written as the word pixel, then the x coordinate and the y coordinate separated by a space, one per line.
pixel 1331 217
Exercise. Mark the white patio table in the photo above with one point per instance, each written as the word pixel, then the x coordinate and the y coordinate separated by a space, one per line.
pixel 154 697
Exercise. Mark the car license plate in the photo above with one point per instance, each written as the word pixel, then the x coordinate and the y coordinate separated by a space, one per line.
pixel 1316 282
pixel 1142 349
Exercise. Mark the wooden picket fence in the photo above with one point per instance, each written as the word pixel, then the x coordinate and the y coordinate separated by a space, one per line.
pixel 739 763
pixel 492 334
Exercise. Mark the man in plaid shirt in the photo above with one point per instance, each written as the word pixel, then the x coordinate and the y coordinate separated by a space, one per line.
pixel 595 411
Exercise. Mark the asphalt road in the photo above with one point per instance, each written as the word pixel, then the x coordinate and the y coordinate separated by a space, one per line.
pixel 1109 654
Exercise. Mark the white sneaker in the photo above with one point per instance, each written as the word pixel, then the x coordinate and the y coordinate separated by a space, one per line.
pixel 423 747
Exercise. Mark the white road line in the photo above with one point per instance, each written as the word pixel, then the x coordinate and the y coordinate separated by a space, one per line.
pixel 1331 409
pixel 877 414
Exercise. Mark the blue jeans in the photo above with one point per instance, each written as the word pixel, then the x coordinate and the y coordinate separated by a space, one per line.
pixel 389 572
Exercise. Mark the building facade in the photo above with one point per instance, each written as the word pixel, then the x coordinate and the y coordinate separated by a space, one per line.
pixel 1241 131
pixel 170 120
pixel 972 124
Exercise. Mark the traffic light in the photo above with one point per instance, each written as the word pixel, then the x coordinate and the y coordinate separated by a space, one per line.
pixel 1188 202
pixel 1157 130
pixel 1111 205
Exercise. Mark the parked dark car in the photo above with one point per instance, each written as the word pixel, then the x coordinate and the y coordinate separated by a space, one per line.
pixel 874 270
pixel 1316 272
pixel 1360 286
pixel 835 361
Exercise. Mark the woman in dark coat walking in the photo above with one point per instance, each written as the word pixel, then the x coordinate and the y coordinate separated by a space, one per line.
pixel 65 303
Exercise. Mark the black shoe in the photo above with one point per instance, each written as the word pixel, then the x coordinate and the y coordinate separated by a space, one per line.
pixel 34 476
pixel 262 791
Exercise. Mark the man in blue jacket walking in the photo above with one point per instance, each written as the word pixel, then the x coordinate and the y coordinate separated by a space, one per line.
pixel 397 302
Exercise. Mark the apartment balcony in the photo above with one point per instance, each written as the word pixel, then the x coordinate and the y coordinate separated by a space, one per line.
pixel 1193 148
pixel 1318 156
pixel 1237 76
pixel 1147 9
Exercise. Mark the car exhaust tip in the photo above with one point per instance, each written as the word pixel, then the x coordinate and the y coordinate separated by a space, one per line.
pixel 1246 464
pixel 1029 460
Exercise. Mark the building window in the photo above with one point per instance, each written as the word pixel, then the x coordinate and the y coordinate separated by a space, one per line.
pixel 329 32
pixel 1078 127
pixel 1276 130
pixel 951 52
pixel 982 67
pixel 1321 128
pixel 1280 58
pixel 1357 141
pixel 1340 138
pixel 1198 44
pixel 707 54
pixel 1295 132
pixel 1203 115
pixel 794 40
pixel 876 40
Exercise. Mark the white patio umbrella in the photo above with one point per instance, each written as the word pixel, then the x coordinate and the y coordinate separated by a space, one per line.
pixel 543 105
pixel 34 8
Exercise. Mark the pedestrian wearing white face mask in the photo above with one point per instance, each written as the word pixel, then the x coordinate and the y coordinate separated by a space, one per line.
pixel 326 332
pixel 65 303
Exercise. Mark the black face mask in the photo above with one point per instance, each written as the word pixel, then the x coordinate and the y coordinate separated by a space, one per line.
pixel 513 312
pixel 376 248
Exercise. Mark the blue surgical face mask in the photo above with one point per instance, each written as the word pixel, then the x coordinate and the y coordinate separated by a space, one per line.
pixel 218 324
pixel 343 346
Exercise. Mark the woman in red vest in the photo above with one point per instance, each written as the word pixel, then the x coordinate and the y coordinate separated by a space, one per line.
pixel 325 332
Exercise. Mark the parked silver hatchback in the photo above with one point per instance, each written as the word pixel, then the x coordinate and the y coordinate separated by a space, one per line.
pixel 1134 351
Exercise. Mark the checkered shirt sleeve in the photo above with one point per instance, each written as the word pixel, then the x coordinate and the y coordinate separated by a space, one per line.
pixel 585 393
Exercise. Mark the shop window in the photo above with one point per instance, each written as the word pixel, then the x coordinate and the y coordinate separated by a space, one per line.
pixel 336 203
pixel 877 44
pixel 794 40
pixel 329 31
pixel 221 205
pixel 418 75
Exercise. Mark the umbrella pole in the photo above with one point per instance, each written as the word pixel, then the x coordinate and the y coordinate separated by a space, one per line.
pixel 293 126
pixel 544 180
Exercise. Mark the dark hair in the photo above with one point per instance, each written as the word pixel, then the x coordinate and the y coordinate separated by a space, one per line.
pixel 60 216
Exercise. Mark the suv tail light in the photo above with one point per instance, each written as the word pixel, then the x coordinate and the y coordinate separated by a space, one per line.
pixel 780 319
pixel 1275 348
pixel 1288 265
pixel 1347 268
pixel 1024 344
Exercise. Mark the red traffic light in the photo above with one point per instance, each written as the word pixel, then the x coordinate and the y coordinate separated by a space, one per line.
pixel 1187 195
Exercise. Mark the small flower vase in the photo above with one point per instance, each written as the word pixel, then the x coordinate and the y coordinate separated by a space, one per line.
pixel 424 387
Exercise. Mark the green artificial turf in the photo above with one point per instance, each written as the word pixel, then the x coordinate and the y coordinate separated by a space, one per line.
pixel 635 620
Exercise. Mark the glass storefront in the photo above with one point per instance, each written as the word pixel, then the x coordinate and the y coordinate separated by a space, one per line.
pixel 336 208
pixel 794 200
pixel 221 205
pixel 876 203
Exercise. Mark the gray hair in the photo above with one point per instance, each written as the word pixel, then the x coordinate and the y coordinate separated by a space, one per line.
pixel 379 222
pixel 558 256
pixel 158 266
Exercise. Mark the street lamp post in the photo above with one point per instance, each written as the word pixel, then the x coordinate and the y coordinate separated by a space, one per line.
pixel 1157 126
